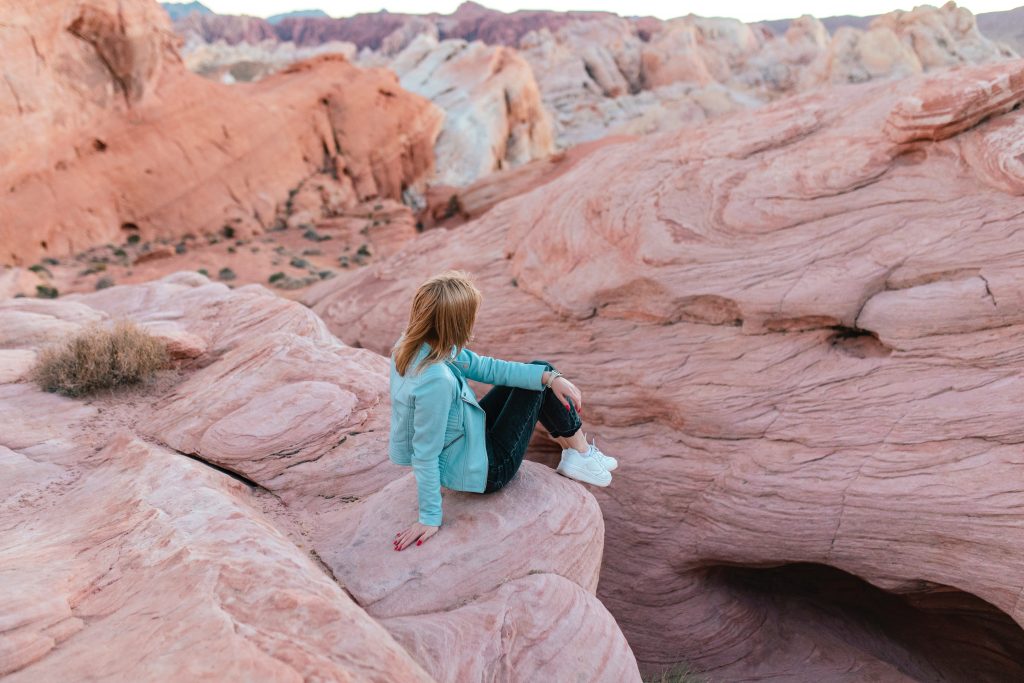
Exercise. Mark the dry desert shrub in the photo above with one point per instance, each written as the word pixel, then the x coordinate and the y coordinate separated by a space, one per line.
pixel 679 673
pixel 99 357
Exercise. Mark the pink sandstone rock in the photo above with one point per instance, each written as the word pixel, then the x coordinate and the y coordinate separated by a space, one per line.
pixel 14 281
pixel 601 74
pixel 302 396
pixel 943 106
pixel 31 322
pixel 493 113
pixel 540 627
pixel 134 554
pixel 545 523
pixel 278 399
pixel 800 336
pixel 451 206
pixel 247 62
pixel 179 342
pixel 135 146
pixel 15 364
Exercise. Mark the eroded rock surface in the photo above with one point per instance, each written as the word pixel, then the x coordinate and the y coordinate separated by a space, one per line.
pixel 797 328
pixel 175 570
pixel 127 561
pixel 494 118
pixel 105 133
pixel 601 74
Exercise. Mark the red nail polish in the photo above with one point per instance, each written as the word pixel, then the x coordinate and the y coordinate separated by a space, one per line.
pixel 419 542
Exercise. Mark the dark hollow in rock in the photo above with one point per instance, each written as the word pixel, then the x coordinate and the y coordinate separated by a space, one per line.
pixel 933 633
pixel 858 343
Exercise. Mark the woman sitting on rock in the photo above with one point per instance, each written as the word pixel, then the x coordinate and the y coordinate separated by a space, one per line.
pixel 450 439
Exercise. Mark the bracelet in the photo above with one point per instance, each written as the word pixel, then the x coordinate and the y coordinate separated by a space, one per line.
pixel 552 376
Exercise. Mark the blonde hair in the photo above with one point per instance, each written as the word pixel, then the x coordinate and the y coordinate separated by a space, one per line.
pixel 442 314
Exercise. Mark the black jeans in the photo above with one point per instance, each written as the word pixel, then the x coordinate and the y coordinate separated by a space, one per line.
pixel 512 413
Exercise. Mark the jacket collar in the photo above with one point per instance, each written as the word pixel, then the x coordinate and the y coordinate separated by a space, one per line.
pixel 425 349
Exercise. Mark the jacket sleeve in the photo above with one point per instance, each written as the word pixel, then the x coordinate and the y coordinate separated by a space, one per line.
pixel 500 372
pixel 432 399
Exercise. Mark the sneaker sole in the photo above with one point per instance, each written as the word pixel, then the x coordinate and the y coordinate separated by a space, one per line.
pixel 582 475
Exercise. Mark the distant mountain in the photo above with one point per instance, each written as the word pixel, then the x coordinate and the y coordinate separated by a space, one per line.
pixel 779 26
pixel 1005 27
pixel 177 10
pixel 471 21
pixel 300 13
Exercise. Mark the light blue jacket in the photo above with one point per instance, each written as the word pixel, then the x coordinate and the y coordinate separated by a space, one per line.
pixel 438 427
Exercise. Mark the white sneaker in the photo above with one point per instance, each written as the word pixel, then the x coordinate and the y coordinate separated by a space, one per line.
pixel 583 467
pixel 607 461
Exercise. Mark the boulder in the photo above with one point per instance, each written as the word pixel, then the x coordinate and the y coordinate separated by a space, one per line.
pixel 139 564
pixel 268 542
pixel 540 627
pixel 546 523
pixel 494 118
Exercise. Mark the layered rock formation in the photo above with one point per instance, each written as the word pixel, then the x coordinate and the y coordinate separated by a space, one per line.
pixel 600 76
pixel 107 132
pixel 128 558
pixel 451 206
pixel 612 75
pixel 494 118
pixel 246 62
pixel 903 43
pixel 599 73
pixel 797 329
pixel 1005 27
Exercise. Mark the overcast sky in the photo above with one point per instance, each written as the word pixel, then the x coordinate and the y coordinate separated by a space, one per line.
pixel 747 10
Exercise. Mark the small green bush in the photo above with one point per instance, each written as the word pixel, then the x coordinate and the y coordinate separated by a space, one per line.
pixel 46 292
pixel 99 358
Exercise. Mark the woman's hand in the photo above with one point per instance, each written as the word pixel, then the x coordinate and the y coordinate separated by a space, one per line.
pixel 565 391
pixel 417 533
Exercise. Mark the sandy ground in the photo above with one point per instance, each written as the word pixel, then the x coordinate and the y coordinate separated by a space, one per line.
pixel 286 259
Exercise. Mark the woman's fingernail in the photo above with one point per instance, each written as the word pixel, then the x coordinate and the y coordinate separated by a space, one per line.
pixel 419 542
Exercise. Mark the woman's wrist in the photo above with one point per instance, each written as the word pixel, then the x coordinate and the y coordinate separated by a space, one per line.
pixel 549 377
